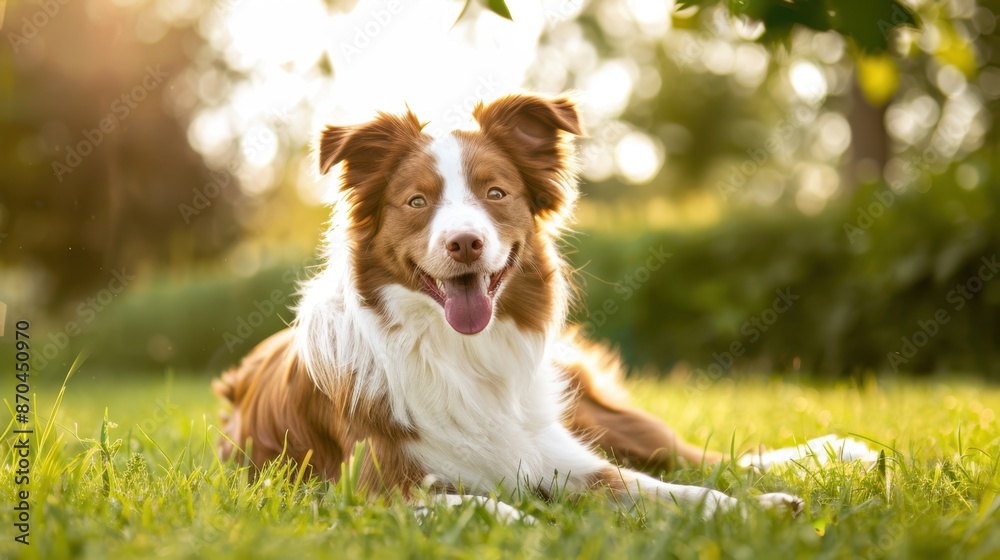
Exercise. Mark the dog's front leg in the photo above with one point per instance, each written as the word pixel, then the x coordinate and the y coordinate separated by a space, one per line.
pixel 587 471
pixel 628 486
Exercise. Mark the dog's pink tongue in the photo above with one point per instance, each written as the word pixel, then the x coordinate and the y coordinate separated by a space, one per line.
pixel 466 306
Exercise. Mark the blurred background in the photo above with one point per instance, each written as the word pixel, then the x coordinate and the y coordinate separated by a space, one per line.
pixel 801 188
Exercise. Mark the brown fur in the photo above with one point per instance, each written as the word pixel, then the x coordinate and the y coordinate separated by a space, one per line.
pixel 278 410
pixel 378 194
pixel 528 129
pixel 277 407
pixel 523 149
pixel 488 166
pixel 601 414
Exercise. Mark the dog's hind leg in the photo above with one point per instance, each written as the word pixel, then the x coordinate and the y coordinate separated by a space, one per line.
pixel 600 414
pixel 634 437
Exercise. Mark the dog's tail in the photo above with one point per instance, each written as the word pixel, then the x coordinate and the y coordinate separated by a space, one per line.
pixel 233 386
pixel 225 387
pixel 242 389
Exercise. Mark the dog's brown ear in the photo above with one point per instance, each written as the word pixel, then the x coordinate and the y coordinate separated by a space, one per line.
pixel 533 118
pixel 370 144
pixel 331 146
pixel 370 153
pixel 535 131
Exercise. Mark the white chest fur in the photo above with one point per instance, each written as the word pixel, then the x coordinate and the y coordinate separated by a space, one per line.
pixel 487 408
pixel 482 404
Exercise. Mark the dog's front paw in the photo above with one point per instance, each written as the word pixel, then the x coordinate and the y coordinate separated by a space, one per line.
pixel 716 502
pixel 501 511
pixel 510 514
pixel 782 501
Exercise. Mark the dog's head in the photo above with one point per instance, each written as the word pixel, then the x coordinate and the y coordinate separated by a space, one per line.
pixel 464 219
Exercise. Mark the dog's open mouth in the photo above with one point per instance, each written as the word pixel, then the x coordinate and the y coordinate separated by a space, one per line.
pixel 467 299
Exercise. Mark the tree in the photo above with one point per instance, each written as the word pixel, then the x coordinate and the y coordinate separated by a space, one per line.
pixel 97 169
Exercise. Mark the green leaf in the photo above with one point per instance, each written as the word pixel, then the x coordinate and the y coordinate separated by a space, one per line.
pixel 499 7
pixel 779 18
pixel 869 23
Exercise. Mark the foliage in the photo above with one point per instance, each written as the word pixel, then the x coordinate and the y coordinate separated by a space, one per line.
pixel 498 7
pixel 938 92
pixel 862 291
pixel 93 181
pixel 867 22
pixel 867 275
pixel 208 323
pixel 935 496
pixel 814 115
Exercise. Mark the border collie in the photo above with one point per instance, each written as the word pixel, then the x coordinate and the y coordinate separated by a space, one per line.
pixel 436 330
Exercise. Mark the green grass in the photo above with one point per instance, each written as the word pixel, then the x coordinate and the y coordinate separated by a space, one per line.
pixel 152 487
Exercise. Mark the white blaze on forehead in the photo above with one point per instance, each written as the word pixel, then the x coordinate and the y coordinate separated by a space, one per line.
pixel 459 209
pixel 448 153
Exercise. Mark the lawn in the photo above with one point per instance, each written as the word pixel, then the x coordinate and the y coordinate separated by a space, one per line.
pixel 153 487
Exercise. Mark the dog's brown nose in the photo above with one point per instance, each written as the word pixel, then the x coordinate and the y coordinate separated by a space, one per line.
pixel 465 247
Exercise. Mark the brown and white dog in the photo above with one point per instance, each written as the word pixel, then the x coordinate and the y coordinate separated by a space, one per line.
pixel 436 330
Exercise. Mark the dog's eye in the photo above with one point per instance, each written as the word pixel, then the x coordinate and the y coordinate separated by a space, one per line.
pixel 417 202
pixel 495 194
